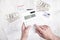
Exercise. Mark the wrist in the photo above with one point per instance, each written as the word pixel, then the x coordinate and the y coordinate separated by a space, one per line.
pixel 24 37
pixel 52 37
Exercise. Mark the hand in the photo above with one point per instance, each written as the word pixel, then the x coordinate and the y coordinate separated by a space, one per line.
pixel 25 31
pixel 45 32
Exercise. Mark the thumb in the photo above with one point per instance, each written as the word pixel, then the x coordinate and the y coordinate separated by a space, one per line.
pixel 23 27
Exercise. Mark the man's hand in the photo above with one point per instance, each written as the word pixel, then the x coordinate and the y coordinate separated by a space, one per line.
pixel 25 31
pixel 45 32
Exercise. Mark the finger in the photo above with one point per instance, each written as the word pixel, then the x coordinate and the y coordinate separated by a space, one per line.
pixel 38 28
pixel 41 27
pixel 44 27
pixel 40 34
pixel 37 31
pixel 28 28
pixel 23 27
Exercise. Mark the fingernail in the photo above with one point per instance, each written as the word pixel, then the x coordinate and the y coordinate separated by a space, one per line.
pixel 35 25
pixel 23 22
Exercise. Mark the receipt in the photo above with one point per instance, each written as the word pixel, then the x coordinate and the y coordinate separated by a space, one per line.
pixel 42 6
pixel 12 17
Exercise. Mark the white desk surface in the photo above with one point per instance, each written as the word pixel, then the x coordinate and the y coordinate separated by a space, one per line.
pixel 12 31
